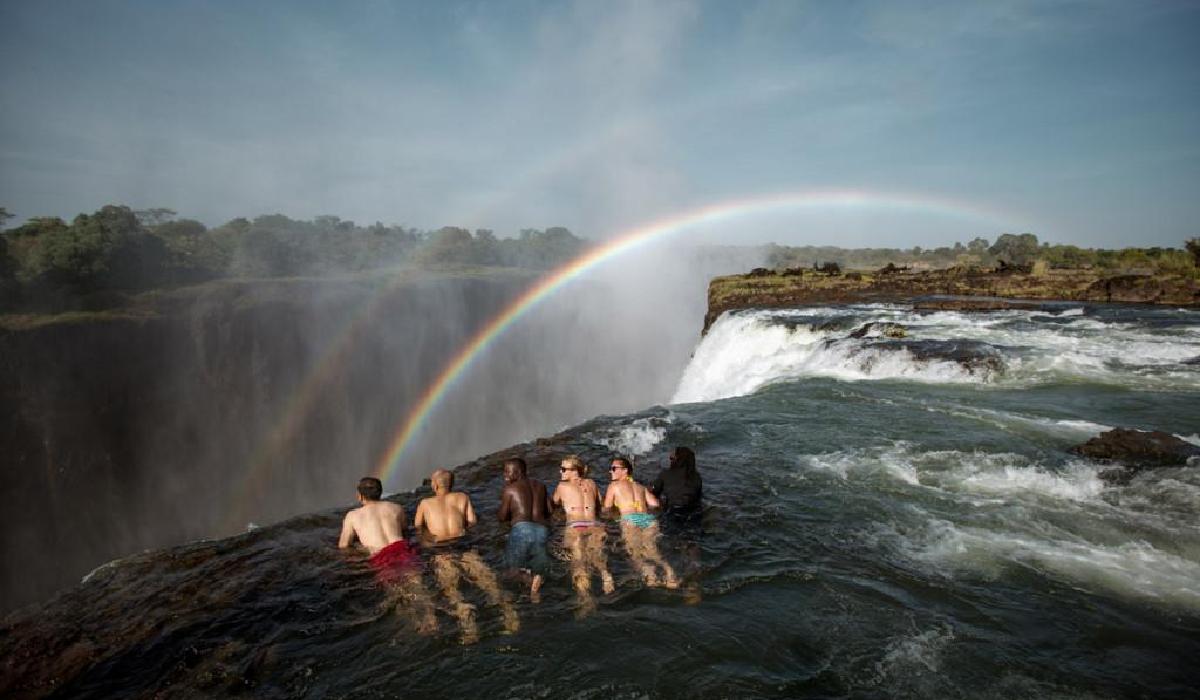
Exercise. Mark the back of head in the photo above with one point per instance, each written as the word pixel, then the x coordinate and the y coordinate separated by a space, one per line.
pixel 517 464
pixel 442 479
pixel 370 488
pixel 683 458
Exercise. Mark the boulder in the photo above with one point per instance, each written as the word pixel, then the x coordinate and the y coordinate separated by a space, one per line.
pixel 1135 450
pixel 881 328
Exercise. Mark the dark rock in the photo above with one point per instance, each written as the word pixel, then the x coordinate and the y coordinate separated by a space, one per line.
pixel 1135 450
pixel 887 330
pixel 891 269
pixel 976 357
pixel 972 305
pixel 761 272
pixel 1193 361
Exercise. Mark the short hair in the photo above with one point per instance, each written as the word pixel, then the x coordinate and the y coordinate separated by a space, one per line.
pixel 370 488
pixel 624 463
pixel 517 463
pixel 574 462
pixel 443 478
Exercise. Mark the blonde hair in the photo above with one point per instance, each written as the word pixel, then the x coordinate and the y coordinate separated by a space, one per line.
pixel 442 478
pixel 574 462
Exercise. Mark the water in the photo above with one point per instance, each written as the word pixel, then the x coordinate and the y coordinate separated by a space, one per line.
pixel 886 517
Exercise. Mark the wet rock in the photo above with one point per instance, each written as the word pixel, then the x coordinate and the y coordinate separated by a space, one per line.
pixel 972 305
pixel 1136 450
pixel 881 328
pixel 1193 361
pixel 976 357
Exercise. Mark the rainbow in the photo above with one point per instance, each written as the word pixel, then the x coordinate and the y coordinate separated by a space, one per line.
pixel 631 240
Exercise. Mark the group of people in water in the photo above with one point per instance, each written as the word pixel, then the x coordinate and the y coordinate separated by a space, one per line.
pixel 442 520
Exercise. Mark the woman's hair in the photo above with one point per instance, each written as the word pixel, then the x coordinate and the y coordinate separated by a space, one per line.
pixel 574 462
pixel 624 463
pixel 683 458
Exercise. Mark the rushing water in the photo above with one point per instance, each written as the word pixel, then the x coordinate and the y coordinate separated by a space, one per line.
pixel 886 517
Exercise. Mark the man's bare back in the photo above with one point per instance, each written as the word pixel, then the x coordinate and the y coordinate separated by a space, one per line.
pixel 376 524
pixel 524 500
pixel 446 515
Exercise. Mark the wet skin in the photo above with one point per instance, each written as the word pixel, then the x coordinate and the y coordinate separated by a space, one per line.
pixel 523 499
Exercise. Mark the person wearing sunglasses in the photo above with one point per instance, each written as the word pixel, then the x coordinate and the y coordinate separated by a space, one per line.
pixel 639 527
pixel 584 536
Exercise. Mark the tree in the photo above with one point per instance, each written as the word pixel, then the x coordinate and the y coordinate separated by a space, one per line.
pixel 1014 249
pixel 1193 247
pixel 155 216
pixel 4 217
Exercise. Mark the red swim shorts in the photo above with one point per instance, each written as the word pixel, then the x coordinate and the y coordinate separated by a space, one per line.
pixel 395 560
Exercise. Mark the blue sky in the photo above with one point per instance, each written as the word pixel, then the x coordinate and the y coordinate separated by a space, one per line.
pixel 1078 121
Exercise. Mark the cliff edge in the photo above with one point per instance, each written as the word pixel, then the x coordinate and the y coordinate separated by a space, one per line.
pixel 950 288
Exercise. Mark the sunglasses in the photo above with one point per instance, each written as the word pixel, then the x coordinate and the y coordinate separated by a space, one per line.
pixel 564 470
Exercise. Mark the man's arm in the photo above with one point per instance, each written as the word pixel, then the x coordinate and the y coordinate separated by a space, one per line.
pixel 419 518
pixel 347 532
pixel 656 486
pixel 651 500
pixel 402 519
pixel 470 513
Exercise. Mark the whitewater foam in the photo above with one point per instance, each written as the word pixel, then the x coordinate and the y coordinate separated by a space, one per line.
pixel 635 439
pixel 748 350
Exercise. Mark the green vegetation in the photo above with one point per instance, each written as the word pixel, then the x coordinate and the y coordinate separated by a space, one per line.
pixel 98 259
pixel 49 263
pixel 1021 250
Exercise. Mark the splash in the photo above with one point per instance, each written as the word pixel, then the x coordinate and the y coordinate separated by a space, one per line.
pixel 625 242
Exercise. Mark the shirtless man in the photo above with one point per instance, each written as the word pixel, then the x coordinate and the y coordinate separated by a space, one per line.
pixel 379 526
pixel 639 528
pixel 444 518
pixel 584 536
pixel 525 503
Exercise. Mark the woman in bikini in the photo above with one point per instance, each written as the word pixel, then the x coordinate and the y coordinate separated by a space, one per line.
pixel 639 527
pixel 584 535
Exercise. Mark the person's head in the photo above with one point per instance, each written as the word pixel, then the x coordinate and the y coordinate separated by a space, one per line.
pixel 683 458
pixel 370 489
pixel 442 481
pixel 621 468
pixel 514 469
pixel 572 468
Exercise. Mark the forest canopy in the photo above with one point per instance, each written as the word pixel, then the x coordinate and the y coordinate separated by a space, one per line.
pixel 119 249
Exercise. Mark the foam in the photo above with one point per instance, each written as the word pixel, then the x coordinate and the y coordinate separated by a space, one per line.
pixel 635 439
pixel 1135 569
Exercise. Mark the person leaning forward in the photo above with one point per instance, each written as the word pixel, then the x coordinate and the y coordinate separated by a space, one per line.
pixel 443 519
pixel 525 503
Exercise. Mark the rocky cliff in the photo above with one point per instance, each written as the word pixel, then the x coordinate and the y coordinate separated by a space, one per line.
pixel 988 289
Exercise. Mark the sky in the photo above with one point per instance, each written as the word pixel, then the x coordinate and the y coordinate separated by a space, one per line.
pixel 1075 120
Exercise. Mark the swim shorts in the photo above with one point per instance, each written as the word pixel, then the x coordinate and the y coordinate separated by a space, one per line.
pixel 641 520
pixel 395 560
pixel 527 547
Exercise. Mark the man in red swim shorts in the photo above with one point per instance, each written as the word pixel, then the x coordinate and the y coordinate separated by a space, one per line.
pixel 379 526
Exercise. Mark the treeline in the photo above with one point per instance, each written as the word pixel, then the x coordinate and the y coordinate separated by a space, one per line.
pixel 120 249
pixel 1020 250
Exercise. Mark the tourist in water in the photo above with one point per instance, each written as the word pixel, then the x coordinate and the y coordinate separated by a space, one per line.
pixel 379 527
pixel 443 520
pixel 525 503
pixel 584 535
pixel 639 528
pixel 679 486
